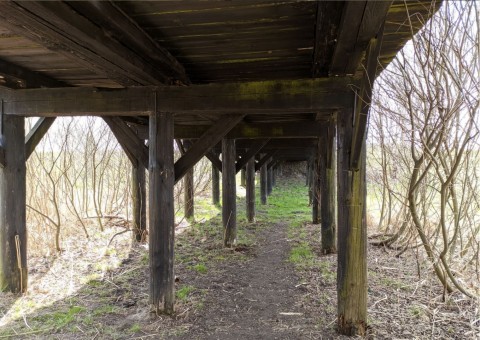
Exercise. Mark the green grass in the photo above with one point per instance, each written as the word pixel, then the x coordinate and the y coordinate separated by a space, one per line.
pixel 183 293
pixel 200 268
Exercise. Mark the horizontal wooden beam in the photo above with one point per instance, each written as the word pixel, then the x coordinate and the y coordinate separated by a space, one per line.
pixel 293 143
pixel 17 77
pixel 287 96
pixel 265 159
pixel 249 130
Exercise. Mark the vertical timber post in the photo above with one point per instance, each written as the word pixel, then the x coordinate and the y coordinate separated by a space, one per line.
pixel 250 182
pixel 139 204
pixel 215 185
pixel 269 180
pixel 188 197
pixel 352 236
pixel 13 232
pixel 229 194
pixel 315 189
pixel 327 193
pixel 162 226
pixel 310 173
pixel 243 179
pixel 263 184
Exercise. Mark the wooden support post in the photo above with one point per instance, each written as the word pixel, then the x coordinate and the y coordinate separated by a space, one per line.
pixel 139 202
pixel 229 193
pixel 315 190
pixel 274 176
pixel 162 226
pixel 310 174
pixel 263 184
pixel 13 233
pixel 243 180
pixel 269 180
pixel 352 236
pixel 189 199
pixel 250 181
pixel 327 167
pixel 215 185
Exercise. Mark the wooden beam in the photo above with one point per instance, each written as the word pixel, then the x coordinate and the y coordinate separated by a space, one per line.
pixel 265 159
pixel 269 179
pixel 206 142
pixel 361 20
pixel 326 30
pixel 250 190
pixel 58 26
pixel 364 99
pixel 229 196
pixel 263 184
pixel 22 78
pixel 252 151
pixel 316 190
pixel 326 180
pixel 36 134
pixel 162 221
pixel 188 190
pixel 215 185
pixel 306 129
pixel 133 146
pixel 13 231
pixel 285 96
pixel 352 236
pixel 139 203
pixel 213 158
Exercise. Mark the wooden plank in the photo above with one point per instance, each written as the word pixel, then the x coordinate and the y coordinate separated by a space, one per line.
pixel 364 99
pixel 252 151
pixel 269 179
pixel 36 134
pixel 250 189
pixel 229 196
pixel 315 188
pixel 206 142
pixel 188 190
pixel 133 146
pixel 213 158
pixel 139 203
pixel 13 232
pixel 295 96
pixel 58 26
pixel 24 78
pixel 352 236
pixel 162 221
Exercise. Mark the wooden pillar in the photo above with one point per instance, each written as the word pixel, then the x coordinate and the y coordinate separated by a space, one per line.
pixel 215 185
pixel 352 236
pixel 250 182
pixel 243 179
pixel 13 233
pixel 139 202
pixel 310 173
pixel 162 226
pixel 263 184
pixel 327 193
pixel 188 195
pixel 315 191
pixel 269 181
pixel 229 195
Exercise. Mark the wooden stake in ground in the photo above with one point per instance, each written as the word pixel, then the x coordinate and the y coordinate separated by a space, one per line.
pixel 229 194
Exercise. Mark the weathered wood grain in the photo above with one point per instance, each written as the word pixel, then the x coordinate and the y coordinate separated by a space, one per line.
pixel 229 195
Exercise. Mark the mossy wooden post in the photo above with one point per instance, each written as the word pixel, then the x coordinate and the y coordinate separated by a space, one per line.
pixel 162 227
pixel 352 236
pixel 327 192
pixel 263 184
pixel 215 185
pixel 250 181
pixel 139 209
pixel 229 194
pixel 188 195
pixel 13 233
pixel 315 189
pixel 243 179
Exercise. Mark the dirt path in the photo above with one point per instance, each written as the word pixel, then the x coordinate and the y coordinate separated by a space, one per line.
pixel 255 299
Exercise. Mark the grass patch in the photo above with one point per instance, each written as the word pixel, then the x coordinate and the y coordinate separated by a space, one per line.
pixel 183 293
pixel 200 268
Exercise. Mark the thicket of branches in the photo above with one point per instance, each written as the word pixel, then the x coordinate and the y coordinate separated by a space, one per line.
pixel 79 181
pixel 424 149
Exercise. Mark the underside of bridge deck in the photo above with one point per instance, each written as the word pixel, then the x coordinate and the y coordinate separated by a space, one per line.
pixel 258 82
